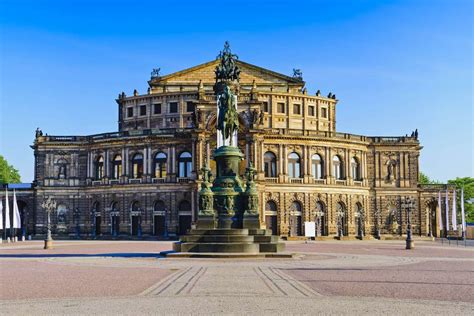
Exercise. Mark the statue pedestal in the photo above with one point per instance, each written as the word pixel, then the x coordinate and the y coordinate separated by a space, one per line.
pixel 206 222
pixel 251 221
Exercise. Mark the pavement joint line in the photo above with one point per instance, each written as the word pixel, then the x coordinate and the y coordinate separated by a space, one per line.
pixel 166 280
pixel 259 274
pixel 172 282
pixel 273 282
pixel 300 285
pixel 191 287
pixel 189 282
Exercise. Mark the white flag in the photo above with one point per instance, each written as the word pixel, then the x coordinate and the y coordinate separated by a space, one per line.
pixel 453 219
pixel 440 219
pixel 7 211
pixel 447 210
pixel 16 212
pixel 463 218
pixel 1 214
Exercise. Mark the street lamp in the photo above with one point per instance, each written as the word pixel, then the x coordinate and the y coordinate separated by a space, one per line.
pixel 340 215
pixel 319 214
pixel 408 204
pixel 360 221
pixel 377 223
pixel 49 205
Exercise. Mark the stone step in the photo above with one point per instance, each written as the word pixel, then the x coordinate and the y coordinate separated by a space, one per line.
pixel 265 239
pixel 219 247
pixel 260 232
pixel 217 238
pixel 219 231
pixel 272 247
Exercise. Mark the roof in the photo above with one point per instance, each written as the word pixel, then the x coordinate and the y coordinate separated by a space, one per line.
pixel 248 74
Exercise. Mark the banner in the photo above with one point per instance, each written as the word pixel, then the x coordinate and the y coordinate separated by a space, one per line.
pixel 7 211
pixel 453 213
pixel 16 212
pixel 447 209
pixel 463 218
pixel 440 218
pixel 1 215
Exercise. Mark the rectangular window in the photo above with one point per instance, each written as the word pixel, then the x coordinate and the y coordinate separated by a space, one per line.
pixel 311 110
pixel 281 107
pixel 157 108
pixel 130 112
pixel 324 112
pixel 265 107
pixel 174 107
pixel 142 110
pixel 189 106
pixel 297 109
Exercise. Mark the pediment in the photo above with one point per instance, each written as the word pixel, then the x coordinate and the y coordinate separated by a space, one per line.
pixel 205 72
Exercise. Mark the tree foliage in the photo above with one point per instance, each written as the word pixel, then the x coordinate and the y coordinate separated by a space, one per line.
pixel 8 174
pixel 424 179
pixel 468 184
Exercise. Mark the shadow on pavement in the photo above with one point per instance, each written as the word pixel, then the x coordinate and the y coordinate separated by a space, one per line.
pixel 83 255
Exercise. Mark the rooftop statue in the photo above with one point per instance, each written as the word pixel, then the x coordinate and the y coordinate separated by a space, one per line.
pixel 227 70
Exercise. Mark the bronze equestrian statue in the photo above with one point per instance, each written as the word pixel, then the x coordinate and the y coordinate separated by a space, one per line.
pixel 228 120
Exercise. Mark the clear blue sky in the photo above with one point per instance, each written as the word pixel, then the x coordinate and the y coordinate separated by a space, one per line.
pixel 394 65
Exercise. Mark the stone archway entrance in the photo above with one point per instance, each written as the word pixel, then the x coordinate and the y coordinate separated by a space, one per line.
pixel 271 222
pixel 296 222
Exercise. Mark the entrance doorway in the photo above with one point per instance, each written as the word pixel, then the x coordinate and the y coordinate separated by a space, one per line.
pixel 115 225
pixel 135 225
pixel 98 222
pixel 184 223
pixel 271 223
pixel 158 225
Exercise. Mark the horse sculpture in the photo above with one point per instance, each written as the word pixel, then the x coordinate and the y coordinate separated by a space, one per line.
pixel 228 121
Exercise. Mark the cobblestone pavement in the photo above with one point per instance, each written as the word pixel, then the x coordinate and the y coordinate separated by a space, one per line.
pixel 119 277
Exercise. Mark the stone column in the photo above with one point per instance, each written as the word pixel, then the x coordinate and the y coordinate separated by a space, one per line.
pixel 145 161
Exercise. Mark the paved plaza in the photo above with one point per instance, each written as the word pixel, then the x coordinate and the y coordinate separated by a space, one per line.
pixel 330 277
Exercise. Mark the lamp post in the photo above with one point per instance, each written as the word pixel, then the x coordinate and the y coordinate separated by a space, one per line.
pixel 340 215
pixel 430 226
pixel 408 204
pixel 49 205
pixel 319 214
pixel 377 224
pixel 360 221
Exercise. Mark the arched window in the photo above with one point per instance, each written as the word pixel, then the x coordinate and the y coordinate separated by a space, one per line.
pixel 184 165
pixel 355 168
pixel 96 207
pixel 117 167
pixel 159 207
pixel 99 168
pixel 296 208
pixel 294 164
pixel 136 206
pixel 114 207
pixel 159 165
pixel 317 166
pixel 137 166
pixel 270 207
pixel 337 167
pixel 270 164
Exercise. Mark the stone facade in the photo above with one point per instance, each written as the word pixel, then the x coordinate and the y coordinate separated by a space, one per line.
pixel 143 180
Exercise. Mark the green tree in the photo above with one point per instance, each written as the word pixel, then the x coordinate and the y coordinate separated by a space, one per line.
pixel 424 179
pixel 468 184
pixel 8 174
